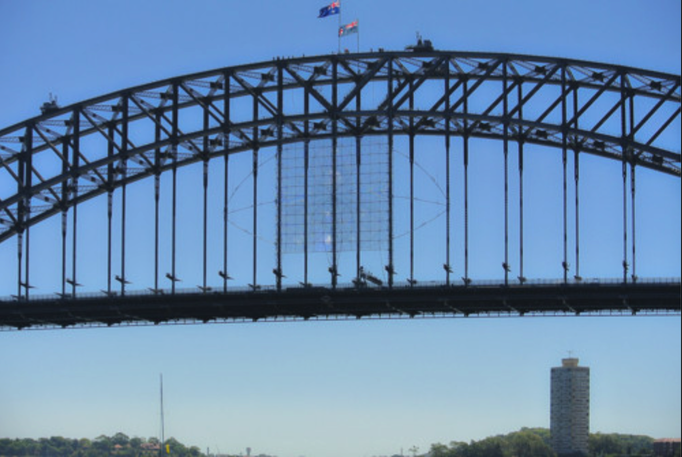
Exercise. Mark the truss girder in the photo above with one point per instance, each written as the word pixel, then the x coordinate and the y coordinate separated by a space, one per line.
pixel 298 303
pixel 59 159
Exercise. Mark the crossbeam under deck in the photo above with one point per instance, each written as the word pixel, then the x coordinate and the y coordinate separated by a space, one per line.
pixel 324 303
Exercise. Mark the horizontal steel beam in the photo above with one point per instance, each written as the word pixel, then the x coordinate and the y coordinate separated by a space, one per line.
pixel 325 303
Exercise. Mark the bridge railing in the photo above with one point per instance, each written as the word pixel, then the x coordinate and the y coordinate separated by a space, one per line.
pixel 481 283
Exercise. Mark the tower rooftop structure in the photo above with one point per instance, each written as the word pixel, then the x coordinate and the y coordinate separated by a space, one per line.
pixel 570 362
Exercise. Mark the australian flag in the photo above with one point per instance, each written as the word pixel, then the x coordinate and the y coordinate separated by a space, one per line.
pixel 334 8
pixel 348 28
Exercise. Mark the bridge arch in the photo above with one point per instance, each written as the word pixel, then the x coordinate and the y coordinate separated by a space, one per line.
pixel 52 163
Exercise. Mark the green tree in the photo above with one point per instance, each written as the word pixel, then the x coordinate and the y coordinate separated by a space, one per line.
pixel 489 447
pixel 604 444
pixel 440 450
pixel 135 442
pixel 84 444
pixel 543 433
pixel 30 447
pixel 528 444
pixel 102 445
pixel 121 439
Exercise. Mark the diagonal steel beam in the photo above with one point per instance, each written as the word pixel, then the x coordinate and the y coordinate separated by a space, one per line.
pixel 309 86
pixel 476 85
pixel 538 85
pixel 109 139
pixel 653 110
pixel 663 127
pixel 366 78
pixel 257 94
pixel 204 102
pixel 593 99
pixel 416 84
pixel 608 115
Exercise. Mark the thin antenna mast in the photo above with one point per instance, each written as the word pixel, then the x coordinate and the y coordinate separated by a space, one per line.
pixel 163 431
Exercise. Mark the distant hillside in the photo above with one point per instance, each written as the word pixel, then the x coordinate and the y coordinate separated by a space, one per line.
pixel 527 442
pixel 119 445
pixel 534 442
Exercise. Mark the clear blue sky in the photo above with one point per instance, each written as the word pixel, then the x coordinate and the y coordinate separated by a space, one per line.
pixel 337 388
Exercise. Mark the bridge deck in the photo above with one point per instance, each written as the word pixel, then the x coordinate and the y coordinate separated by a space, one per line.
pixel 342 303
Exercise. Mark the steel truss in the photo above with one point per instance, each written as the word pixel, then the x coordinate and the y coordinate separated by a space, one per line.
pixel 146 131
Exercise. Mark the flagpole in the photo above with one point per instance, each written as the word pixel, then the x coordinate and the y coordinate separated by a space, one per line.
pixel 338 35
pixel 358 36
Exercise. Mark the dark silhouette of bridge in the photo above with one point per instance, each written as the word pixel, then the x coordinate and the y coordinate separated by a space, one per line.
pixel 339 140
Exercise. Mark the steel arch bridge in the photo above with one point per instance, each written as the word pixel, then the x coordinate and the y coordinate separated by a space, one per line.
pixel 51 164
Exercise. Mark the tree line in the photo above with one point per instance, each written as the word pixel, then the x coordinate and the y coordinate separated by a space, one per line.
pixel 119 445
pixel 527 442
pixel 535 442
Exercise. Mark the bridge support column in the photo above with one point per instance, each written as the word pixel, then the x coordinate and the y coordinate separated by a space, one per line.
pixel 576 177
pixel 64 210
pixel 390 268
pixel 75 159
pixel 111 178
pixel 335 115
pixel 254 168
pixel 411 158
pixel 124 179
pixel 174 197
pixel 520 142
pixel 625 153
pixel 505 146
pixel 205 163
pixel 24 215
pixel 306 165
pixel 448 266
pixel 358 187
pixel 465 158
pixel 564 152
pixel 224 274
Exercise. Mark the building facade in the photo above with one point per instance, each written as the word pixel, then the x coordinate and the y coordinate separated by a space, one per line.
pixel 667 447
pixel 570 408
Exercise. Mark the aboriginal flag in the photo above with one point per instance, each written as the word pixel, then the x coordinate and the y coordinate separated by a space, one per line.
pixel 349 28
pixel 334 8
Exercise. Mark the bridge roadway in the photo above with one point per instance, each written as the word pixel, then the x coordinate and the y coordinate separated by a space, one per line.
pixel 325 303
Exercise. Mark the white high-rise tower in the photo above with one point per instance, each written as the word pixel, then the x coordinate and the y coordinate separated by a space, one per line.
pixel 570 408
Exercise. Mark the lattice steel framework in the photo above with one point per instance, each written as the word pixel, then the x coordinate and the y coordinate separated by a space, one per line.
pixel 361 198
pixel 51 163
